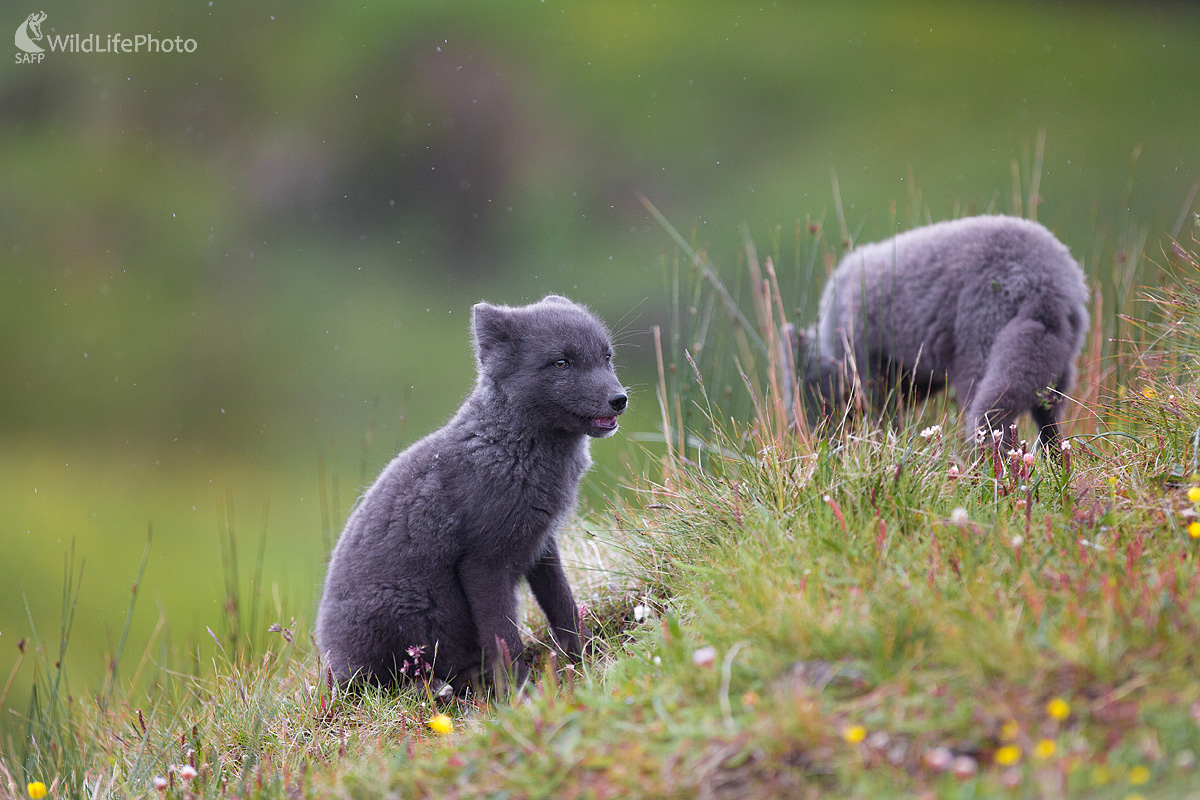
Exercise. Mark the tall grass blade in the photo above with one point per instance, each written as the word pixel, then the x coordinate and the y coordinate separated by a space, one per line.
pixel 111 680
pixel 707 271
pixel 259 560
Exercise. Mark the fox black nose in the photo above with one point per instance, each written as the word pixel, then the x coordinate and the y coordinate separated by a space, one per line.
pixel 618 401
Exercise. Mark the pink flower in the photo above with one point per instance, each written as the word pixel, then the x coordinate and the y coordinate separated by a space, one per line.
pixel 939 759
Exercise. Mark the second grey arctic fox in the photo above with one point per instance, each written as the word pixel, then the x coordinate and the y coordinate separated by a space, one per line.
pixel 993 306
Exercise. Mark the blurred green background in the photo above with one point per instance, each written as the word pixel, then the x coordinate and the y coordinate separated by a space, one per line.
pixel 221 272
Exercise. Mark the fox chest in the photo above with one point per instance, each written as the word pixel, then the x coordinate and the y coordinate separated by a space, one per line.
pixel 514 513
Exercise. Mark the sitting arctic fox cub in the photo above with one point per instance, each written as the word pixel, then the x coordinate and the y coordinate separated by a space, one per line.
pixel 993 306
pixel 423 582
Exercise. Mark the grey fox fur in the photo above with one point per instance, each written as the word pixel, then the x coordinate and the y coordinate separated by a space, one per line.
pixel 992 306
pixel 422 584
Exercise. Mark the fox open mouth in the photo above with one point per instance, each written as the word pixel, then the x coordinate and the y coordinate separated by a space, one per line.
pixel 605 423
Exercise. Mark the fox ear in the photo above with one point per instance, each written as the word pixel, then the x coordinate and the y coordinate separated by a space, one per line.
pixel 557 298
pixel 493 327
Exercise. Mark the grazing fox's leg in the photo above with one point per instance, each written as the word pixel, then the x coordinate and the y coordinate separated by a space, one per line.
pixel 789 346
pixel 1022 369
pixel 1047 411
pixel 1047 416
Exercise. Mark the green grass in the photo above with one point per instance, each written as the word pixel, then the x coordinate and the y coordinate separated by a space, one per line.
pixel 871 613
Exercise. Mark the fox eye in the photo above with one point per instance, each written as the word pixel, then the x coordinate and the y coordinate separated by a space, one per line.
pixel 562 363
pixel 608 356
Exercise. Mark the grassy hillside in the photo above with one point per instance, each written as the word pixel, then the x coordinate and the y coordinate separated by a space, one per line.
pixel 221 271
pixel 879 611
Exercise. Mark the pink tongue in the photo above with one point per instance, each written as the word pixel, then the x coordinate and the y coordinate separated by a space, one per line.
pixel 606 422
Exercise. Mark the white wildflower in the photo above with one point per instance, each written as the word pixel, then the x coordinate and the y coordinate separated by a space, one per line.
pixel 964 767
pixel 705 656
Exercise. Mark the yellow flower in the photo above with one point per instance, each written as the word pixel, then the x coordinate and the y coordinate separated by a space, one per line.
pixel 1058 708
pixel 1194 529
pixel 1194 494
pixel 37 790
pixel 1101 775
pixel 1009 730
pixel 1149 392
pixel 1008 755
pixel 1139 775
pixel 1044 749
pixel 853 734
pixel 440 724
